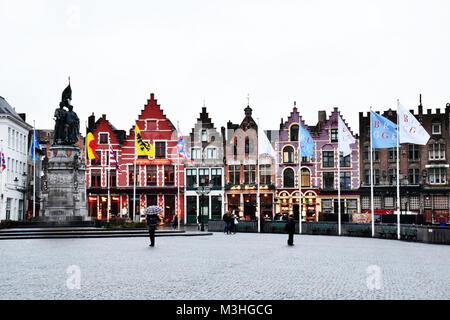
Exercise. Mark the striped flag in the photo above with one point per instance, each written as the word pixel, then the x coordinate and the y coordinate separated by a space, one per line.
pixel 113 158
pixel 182 152
pixel 2 161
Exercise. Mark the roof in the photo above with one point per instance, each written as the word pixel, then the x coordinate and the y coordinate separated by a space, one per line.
pixel 5 108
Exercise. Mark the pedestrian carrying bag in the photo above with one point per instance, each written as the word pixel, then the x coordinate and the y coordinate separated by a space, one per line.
pixel 236 221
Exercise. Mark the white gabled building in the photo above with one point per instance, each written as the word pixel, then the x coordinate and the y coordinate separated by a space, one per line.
pixel 14 144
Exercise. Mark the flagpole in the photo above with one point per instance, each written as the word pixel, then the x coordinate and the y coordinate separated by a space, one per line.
pixel 1 174
pixel 300 209
pixel 178 202
pixel 86 158
pixel 109 174
pixel 33 145
pixel 339 187
pixel 134 175
pixel 257 173
pixel 371 176
pixel 398 176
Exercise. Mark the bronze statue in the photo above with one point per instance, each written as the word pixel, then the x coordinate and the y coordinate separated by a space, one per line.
pixel 67 123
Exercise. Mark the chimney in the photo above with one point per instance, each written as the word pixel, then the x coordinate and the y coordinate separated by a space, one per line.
pixel 420 105
pixel 322 116
pixel 91 122
pixel 23 116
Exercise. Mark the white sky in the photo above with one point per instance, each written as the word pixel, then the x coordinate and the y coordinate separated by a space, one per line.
pixel 323 54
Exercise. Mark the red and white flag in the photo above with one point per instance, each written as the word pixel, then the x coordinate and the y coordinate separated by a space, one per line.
pixel 113 158
pixel 2 161
pixel 410 129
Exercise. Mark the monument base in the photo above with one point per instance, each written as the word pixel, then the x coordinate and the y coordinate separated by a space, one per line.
pixel 63 184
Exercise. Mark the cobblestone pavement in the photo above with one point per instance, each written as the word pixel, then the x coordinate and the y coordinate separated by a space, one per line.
pixel 241 266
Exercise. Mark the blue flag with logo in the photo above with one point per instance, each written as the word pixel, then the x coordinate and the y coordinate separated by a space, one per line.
pixel 384 132
pixel 306 143
pixel 34 145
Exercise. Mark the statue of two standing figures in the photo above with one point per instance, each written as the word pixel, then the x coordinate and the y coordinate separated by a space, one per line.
pixel 67 123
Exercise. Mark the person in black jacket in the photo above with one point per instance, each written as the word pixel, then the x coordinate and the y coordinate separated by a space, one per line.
pixel 227 220
pixel 290 229
pixel 151 222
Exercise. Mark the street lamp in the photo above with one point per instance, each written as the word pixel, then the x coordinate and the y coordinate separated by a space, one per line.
pixel 202 191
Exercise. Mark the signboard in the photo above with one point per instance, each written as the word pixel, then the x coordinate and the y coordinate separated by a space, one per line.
pixel 153 162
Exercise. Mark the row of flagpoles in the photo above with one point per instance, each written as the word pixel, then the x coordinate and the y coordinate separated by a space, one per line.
pixel 383 134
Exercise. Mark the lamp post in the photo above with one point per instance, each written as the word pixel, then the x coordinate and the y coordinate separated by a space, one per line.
pixel 202 191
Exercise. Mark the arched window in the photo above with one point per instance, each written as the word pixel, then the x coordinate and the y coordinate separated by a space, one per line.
pixel 294 132
pixel 306 178
pixel 288 154
pixel 288 178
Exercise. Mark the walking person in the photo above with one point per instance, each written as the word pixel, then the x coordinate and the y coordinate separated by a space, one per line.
pixel 290 229
pixel 151 215
pixel 175 222
pixel 233 223
pixel 226 220
pixel 199 222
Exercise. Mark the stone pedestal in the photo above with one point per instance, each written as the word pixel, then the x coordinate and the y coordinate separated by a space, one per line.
pixel 63 187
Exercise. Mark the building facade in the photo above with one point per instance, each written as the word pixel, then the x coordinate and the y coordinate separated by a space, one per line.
pixel 424 169
pixel 241 170
pixel 318 175
pixel 14 144
pixel 204 174
pixel 157 179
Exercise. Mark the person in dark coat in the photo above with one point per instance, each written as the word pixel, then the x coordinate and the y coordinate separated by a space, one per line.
pixel 227 219
pixel 175 222
pixel 151 222
pixel 290 229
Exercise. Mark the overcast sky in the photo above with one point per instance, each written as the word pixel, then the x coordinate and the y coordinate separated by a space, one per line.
pixel 323 54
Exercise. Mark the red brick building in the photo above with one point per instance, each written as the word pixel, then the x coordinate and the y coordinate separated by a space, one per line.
pixel 156 178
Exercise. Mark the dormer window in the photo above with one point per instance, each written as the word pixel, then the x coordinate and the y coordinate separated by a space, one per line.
pixel 436 128
pixel 103 137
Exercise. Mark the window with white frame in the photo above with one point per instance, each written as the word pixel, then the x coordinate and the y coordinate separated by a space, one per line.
pixel 196 154
pixel 414 203
pixel 436 128
pixel 437 175
pixel 436 151
pixel 211 153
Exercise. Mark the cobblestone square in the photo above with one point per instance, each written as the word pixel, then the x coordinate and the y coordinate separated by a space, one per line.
pixel 241 266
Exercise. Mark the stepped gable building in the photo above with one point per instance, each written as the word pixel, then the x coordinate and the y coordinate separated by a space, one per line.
pixel 288 171
pixel 206 169
pixel 157 179
pixel 241 171
pixel 424 170
pixel 319 174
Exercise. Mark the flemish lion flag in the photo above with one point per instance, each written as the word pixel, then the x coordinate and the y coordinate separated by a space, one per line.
pixel 143 148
